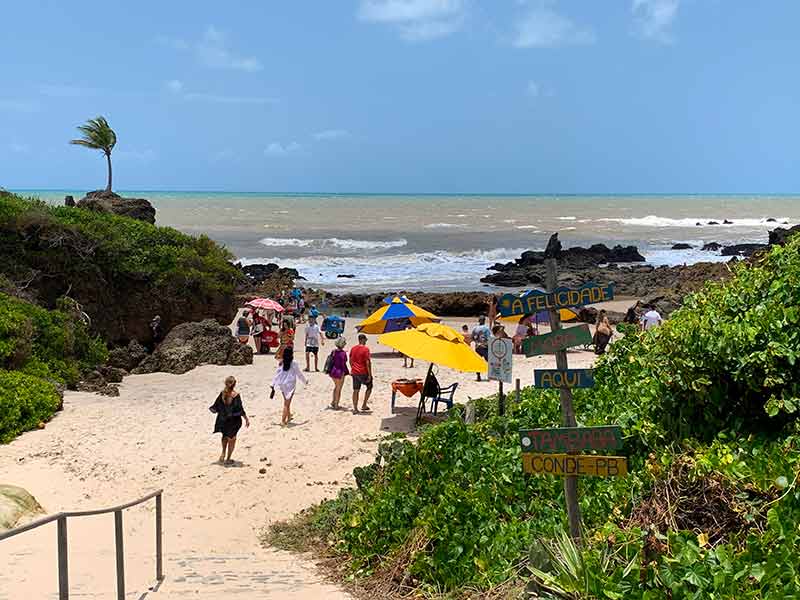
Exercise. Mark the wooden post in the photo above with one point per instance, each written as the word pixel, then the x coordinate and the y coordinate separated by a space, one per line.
pixel 159 541
pixel 120 553
pixel 501 399
pixel 517 392
pixel 567 410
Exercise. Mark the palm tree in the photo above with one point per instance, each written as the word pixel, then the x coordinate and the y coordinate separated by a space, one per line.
pixel 98 135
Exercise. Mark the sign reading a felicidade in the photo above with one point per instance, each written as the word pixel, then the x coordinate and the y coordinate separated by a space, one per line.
pixel 561 339
pixel 562 297
pixel 500 359
pixel 563 378
pixel 575 465
pixel 571 439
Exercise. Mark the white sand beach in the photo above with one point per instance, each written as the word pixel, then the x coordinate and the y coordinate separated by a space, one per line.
pixel 103 451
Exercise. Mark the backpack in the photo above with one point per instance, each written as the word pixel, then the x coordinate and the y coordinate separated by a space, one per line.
pixel 431 388
pixel 328 364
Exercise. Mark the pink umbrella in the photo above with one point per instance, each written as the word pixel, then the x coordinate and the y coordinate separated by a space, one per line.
pixel 266 304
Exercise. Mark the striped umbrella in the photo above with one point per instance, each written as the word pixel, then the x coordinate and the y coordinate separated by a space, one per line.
pixel 396 316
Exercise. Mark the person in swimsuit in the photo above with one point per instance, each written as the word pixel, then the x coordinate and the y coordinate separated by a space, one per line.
pixel 230 412
pixel 285 380
pixel 243 326
pixel 287 337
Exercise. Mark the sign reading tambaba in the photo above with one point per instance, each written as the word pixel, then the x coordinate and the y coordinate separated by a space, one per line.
pixel 563 378
pixel 571 439
pixel 575 464
pixel 563 297
pixel 561 339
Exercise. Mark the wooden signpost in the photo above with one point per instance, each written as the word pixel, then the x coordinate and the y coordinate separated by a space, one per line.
pixel 555 451
pixel 550 343
pixel 563 378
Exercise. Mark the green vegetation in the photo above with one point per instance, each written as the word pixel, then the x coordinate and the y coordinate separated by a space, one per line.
pixel 97 134
pixel 38 349
pixel 708 406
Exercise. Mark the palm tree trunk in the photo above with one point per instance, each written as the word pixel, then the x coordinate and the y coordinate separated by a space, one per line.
pixel 108 160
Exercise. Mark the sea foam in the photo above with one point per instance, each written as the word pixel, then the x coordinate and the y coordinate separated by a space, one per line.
pixel 337 243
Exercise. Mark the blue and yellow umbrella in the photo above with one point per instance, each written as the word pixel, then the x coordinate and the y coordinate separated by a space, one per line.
pixel 396 316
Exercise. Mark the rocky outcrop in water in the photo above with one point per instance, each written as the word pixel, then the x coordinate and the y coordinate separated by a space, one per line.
pixel 779 235
pixel 259 273
pixel 109 202
pixel 742 249
pixel 190 345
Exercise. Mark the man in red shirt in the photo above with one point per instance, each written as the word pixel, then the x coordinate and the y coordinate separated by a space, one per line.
pixel 361 370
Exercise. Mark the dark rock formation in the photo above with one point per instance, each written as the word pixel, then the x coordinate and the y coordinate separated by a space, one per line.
pixel 771 220
pixel 346 276
pixel 742 249
pixel 712 246
pixel 127 357
pixel 712 223
pixel 682 246
pixel 95 382
pixel 109 202
pixel 528 269
pixel 192 344
pixel 259 273
pixel 69 201
pixel 726 222
pixel 780 235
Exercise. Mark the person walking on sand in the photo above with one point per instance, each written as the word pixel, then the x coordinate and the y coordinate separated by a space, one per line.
pixel 361 370
pixel 313 341
pixel 480 336
pixel 652 318
pixel 285 380
pixel 243 325
pixel 338 371
pixel 287 337
pixel 230 412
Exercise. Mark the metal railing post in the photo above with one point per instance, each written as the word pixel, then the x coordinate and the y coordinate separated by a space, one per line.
pixel 120 555
pixel 159 549
pixel 63 569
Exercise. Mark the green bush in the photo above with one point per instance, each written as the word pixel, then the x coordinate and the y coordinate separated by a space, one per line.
pixel 51 344
pixel 717 386
pixel 25 401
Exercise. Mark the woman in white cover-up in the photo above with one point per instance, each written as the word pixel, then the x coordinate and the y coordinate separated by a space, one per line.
pixel 285 380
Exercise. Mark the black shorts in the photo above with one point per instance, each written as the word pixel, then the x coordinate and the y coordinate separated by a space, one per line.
pixel 312 350
pixel 483 352
pixel 359 380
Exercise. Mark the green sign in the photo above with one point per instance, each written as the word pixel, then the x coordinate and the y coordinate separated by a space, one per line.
pixel 563 297
pixel 571 439
pixel 549 343
pixel 563 378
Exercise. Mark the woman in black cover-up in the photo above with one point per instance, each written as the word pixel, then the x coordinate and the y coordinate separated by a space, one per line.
pixel 230 412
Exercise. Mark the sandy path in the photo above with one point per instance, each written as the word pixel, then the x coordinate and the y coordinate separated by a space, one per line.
pixel 157 434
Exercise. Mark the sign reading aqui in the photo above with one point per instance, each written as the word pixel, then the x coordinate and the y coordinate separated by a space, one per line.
pixel 563 378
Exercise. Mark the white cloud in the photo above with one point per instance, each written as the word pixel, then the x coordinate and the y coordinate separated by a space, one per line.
pixel 223 155
pixel 23 106
pixel 416 20
pixel 143 156
pixel 543 27
pixel 175 86
pixel 278 149
pixel 652 19
pixel 331 134
pixel 533 89
pixel 213 51
pixel 19 148
pixel 223 99
pixel 60 90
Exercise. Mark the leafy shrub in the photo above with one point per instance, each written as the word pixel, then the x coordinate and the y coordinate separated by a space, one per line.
pixel 716 385
pixel 25 401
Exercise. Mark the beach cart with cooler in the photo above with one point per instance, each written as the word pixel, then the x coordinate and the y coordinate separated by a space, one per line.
pixel 333 327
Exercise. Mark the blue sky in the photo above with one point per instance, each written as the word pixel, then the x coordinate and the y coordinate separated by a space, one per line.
pixel 513 96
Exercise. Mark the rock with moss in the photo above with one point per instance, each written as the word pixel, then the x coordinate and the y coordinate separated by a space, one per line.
pixel 17 506
pixel 190 345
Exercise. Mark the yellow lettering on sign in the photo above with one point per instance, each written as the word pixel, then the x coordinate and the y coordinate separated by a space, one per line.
pixel 575 464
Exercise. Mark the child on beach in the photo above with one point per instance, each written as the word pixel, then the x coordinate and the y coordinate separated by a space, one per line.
pixel 287 337
pixel 230 412
pixel 285 380
pixel 338 371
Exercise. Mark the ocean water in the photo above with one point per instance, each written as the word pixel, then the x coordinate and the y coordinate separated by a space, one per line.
pixel 446 242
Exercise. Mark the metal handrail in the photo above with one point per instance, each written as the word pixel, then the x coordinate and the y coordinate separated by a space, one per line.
pixel 61 518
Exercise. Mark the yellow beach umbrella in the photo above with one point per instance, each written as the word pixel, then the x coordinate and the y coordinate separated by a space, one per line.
pixel 395 316
pixel 436 343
